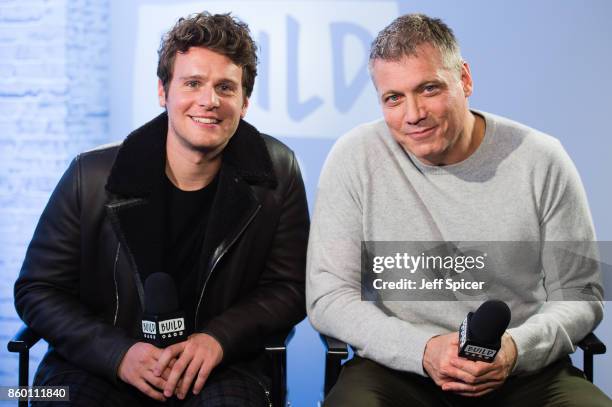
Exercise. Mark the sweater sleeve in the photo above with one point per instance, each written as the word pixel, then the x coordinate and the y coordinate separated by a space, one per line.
pixel 570 312
pixel 333 281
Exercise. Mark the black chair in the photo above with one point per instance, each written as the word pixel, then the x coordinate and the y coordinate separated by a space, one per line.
pixel 276 350
pixel 336 351
pixel 590 345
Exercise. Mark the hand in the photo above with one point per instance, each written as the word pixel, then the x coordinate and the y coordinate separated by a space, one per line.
pixel 195 357
pixel 439 352
pixel 489 376
pixel 136 368
pixel 463 376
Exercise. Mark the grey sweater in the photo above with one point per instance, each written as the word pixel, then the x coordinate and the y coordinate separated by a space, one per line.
pixel 519 185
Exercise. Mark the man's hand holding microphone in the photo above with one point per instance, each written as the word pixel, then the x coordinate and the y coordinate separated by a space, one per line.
pixel 168 360
pixel 479 358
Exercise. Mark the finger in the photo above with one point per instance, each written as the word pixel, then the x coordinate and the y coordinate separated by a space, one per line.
pixel 451 372
pixel 168 354
pixel 155 352
pixel 201 379
pixel 459 387
pixel 175 374
pixel 482 393
pixel 492 376
pixel 155 381
pixel 145 388
pixel 190 373
pixel 178 386
pixel 166 373
pixel 474 368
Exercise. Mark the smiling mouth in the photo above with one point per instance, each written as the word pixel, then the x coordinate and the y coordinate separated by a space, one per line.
pixel 205 120
pixel 421 133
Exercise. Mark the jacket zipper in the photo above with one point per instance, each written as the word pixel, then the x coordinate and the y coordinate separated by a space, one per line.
pixel 112 207
pixel 116 285
pixel 225 250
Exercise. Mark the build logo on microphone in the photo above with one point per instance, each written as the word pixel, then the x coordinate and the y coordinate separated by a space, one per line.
pixel 172 327
pixel 169 328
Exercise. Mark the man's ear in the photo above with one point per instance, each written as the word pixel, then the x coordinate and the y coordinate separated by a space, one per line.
pixel 466 79
pixel 245 106
pixel 161 93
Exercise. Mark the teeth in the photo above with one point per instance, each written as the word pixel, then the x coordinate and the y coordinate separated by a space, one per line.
pixel 205 120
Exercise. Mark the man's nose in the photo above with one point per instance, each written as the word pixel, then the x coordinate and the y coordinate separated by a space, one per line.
pixel 414 111
pixel 208 98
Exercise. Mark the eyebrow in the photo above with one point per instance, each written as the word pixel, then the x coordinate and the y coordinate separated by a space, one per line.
pixel 191 77
pixel 436 82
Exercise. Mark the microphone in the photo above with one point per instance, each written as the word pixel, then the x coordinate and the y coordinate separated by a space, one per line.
pixel 481 331
pixel 163 324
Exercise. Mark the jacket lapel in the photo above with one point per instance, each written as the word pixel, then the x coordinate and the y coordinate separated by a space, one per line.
pixel 136 210
pixel 233 207
pixel 246 162
pixel 139 224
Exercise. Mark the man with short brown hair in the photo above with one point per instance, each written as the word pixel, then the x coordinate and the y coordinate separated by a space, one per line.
pixel 197 193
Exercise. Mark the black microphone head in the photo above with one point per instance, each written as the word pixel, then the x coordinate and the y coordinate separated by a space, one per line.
pixel 489 321
pixel 160 294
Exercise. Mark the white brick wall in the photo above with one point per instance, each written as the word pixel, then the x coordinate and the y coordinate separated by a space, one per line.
pixel 54 67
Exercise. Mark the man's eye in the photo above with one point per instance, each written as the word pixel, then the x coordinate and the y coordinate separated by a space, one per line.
pixel 192 84
pixel 392 98
pixel 225 88
pixel 430 88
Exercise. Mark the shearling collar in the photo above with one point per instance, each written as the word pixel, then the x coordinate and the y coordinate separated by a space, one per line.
pixel 141 159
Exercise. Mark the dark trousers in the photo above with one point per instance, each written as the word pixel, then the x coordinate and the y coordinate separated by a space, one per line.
pixel 363 382
pixel 228 388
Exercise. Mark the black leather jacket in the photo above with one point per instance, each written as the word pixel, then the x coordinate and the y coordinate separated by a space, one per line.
pixel 81 288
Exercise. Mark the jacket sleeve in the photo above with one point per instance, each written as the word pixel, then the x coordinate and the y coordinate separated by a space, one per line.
pixel 333 282
pixel 47 289
pixel 571 270
pixel 277 302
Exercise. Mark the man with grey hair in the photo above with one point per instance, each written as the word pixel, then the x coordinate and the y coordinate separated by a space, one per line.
pixel 435 170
